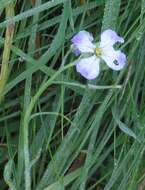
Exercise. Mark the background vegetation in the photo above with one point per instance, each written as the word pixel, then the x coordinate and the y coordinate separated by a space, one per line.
pixel 57 130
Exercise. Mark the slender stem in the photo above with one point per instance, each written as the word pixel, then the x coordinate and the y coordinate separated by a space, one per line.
pixel 42 89
pixel 7 49
pixel 31 46
pixel 27 115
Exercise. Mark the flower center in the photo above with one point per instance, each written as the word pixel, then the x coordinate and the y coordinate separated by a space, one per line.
pixel 98 52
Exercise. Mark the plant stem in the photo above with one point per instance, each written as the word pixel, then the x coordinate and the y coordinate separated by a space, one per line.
pixel 27 115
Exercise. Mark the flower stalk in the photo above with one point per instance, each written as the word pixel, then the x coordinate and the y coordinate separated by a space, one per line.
pixel 7 49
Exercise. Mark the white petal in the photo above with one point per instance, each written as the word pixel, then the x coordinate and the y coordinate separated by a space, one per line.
pixel 83 42
pixel 88 67
pixel 114 59
pixel 109 38
pixel 87 34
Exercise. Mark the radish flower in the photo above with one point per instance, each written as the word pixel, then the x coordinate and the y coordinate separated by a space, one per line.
pixel 89 67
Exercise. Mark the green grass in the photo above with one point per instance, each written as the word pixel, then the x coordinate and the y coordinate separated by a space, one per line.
pixel 57 130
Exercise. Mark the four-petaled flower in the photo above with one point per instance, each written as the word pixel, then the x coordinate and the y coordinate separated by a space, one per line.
pixel 89 67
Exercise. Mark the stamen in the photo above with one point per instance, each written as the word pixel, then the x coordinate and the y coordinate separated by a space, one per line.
pixel 98 52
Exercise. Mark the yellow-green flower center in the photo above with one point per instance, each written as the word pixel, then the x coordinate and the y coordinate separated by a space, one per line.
pixel 98 52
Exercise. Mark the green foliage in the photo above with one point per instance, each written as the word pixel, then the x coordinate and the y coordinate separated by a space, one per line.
pixel 59 131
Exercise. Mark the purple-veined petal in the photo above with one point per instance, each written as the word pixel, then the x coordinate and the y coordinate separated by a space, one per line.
pixel 114 59
pixel 83 42
pixel 88 67
pixel 109 38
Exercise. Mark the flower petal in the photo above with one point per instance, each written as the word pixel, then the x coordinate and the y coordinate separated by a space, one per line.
pixel 114 59
pixel 109 38
pixel 88 67
pixel 83 42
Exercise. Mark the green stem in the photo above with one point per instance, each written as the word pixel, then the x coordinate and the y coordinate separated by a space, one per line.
pixel 27 115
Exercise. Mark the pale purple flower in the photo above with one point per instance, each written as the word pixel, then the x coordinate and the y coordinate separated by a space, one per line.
pixel 89 67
